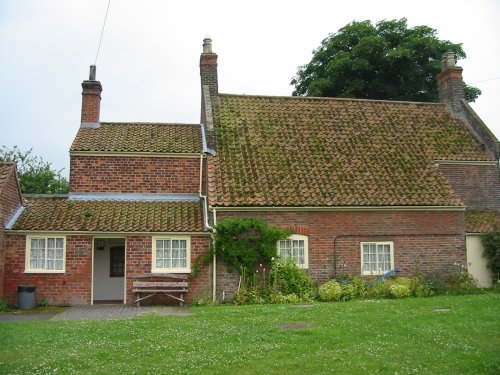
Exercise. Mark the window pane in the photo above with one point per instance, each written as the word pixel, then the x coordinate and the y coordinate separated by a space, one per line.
pixel 47 253
pixel 159 263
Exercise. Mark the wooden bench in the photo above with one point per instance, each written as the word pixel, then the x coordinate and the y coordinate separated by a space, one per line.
pixel 172 289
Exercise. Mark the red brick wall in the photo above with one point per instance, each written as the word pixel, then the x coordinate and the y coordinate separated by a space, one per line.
pixel 477 185
pixel 128 174
pixel 9 202
pixel 429 240
pixel 139 255
pixel 72 287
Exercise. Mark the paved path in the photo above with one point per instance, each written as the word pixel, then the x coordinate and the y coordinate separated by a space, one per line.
pixel 100 312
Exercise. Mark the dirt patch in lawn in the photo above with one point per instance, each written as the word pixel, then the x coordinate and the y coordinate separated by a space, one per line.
pixel 295 326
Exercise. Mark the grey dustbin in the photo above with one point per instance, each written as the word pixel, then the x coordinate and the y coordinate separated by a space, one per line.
pixel 25 297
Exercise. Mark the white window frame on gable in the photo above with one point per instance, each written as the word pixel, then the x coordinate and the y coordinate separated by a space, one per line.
pixel 171 254
pixel 296 248
pixel 45 254
pixel 377 257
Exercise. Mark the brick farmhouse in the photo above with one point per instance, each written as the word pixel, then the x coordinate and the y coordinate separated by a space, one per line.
pixel 365 186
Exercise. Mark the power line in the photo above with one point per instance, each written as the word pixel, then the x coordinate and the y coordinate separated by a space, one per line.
pixel 102 32
pixel 486 80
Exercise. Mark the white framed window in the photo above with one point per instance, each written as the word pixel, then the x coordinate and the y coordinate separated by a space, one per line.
pixel 377 257
pixel 171 254
pixel 45 254
pixel 296 248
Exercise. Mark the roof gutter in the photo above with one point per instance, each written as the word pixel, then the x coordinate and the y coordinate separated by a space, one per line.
pixel 341 208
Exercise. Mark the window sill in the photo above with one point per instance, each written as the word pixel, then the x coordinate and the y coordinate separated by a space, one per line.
pixel 172 270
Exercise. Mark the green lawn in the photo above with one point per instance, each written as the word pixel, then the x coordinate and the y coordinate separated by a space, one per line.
pixel 358 337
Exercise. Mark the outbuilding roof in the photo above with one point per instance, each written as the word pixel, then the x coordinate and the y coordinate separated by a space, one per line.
pixel 296 151
pixel 61 214
pixel 482 221
pixel 139 137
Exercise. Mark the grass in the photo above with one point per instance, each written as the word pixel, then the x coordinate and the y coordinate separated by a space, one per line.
pixel 359 337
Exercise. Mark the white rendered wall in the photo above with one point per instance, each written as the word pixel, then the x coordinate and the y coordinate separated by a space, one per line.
pixel 476 263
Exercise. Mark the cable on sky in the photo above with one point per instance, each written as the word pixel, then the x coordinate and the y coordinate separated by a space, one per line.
pixel 102 32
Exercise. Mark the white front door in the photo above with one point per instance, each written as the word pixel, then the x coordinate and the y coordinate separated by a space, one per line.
pixel 109 268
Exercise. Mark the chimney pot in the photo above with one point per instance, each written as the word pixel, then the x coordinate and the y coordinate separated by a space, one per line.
pixel 448 60
pixel 207 45
pixel 92 73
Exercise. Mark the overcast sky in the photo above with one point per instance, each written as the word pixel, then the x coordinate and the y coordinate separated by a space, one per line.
pixel 149 58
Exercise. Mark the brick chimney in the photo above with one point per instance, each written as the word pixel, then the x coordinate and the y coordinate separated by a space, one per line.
pixel 209 92
pixel 208 68
pixel 91 100
pixel 450 83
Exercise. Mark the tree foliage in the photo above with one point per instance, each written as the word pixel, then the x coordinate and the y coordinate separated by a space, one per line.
pixel 491 244
pixel 242 243
pixel 383 61
pixel 36 176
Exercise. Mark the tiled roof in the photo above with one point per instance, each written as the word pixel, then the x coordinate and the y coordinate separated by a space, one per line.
pixel 290 151
pixel 6 168
pixel 482 221
pixel 139 137
pixel 60 214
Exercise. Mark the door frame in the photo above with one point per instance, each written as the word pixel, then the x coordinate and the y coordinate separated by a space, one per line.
pixel 107 237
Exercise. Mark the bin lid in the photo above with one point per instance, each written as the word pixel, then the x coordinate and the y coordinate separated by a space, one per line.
pixel 26 288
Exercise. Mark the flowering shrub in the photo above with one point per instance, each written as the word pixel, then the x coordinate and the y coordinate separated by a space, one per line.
pixel 399 291
pixel 330 291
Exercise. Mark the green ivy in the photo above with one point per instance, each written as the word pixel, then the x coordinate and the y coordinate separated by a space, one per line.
pixel 243 243
pixel 491 243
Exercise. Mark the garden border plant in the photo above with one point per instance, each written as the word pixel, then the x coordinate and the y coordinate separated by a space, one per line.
pixel 491 244
pixel 249 246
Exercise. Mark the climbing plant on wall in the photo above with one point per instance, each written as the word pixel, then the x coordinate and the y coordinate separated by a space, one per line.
pixel 242 243
pixel 491 243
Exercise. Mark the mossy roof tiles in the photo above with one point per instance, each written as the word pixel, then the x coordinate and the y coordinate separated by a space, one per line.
pixel 289 151
pixel 482 221
pixel 61 214
pixel 6 169
pixel 139 137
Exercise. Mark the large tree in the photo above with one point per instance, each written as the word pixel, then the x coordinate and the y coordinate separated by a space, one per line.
pixel 36 176
pixel 383 61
